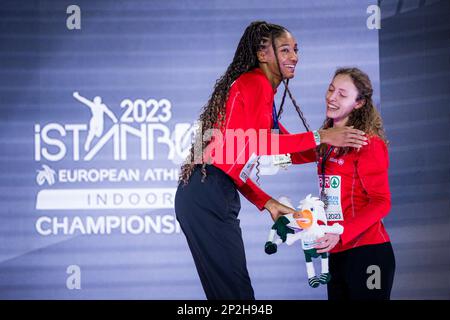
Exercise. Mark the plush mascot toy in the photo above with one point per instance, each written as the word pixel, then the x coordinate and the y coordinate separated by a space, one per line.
pixel 307 224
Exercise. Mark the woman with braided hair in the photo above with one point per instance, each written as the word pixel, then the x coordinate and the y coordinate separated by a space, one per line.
pixel 241 108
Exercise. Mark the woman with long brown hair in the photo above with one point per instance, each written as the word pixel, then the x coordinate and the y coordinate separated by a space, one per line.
pixel 355 188
pixel 235 128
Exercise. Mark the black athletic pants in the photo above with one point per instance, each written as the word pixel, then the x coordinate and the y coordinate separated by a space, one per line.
pixel 207 212
pixel 362 273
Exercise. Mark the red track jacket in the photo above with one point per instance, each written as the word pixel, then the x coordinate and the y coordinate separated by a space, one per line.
pixel 360 179
pixel 249 108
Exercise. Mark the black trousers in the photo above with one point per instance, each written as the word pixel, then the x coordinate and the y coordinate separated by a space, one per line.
pixel 362 273
pixel 207 212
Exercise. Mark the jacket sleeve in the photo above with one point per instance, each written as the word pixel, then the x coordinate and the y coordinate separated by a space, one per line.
pixel 236 120
pixel 258 136
pixel 372 168
pixel 288 143
pixel 254 194
pixel 300 157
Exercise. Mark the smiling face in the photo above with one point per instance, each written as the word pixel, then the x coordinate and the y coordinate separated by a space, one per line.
pixel 287 53
pixel 341 99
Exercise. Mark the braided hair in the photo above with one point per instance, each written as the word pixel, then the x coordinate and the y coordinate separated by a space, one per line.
pixel 256 37
pixel 294 102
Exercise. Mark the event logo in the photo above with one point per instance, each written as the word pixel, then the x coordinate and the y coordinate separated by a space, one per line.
pixel 142 128
pixel 45 175
pixel 142 122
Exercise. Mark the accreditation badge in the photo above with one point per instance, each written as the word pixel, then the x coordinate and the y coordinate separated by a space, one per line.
pixel 332 194
pixel 248 167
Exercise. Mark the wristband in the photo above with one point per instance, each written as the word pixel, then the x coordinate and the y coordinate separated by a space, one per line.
pixel 316 137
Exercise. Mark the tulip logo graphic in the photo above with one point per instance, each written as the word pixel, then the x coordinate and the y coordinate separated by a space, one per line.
pixel 46 174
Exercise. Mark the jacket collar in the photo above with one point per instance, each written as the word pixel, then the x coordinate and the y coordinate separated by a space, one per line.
pixel 259 71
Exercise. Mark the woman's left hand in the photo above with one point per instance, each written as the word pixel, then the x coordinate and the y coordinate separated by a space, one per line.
pixel 327 242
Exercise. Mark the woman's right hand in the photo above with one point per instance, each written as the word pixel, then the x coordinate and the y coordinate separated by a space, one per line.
pixel 343 137
pixel 277 209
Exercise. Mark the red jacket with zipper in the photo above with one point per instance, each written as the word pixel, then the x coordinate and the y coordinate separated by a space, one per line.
pixel 365 195
pixel 249 109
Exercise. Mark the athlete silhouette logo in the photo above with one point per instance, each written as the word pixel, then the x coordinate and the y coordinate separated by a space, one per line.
pixel 96 123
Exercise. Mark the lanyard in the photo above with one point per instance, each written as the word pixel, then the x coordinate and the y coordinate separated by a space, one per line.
pixel 275 117
pixel 324 160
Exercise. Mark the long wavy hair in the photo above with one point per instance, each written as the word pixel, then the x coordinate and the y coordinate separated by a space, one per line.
pixel 257 36
pixel 366 118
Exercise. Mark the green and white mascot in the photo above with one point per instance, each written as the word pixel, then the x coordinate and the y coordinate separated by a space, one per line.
pixel 307 224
